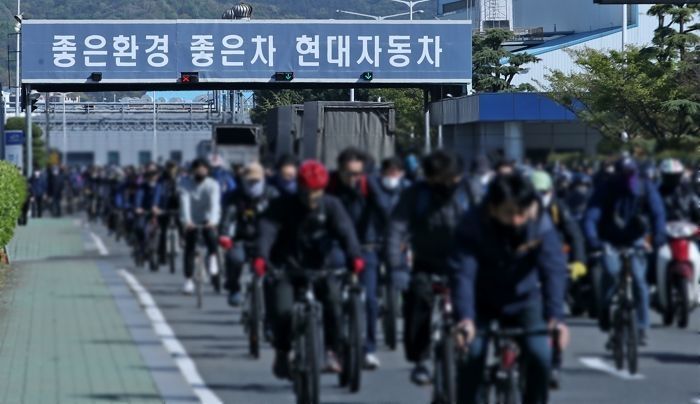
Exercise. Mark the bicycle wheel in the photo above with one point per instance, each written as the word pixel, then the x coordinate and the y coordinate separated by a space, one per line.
pixel 172 251
pixel 354 348
pixel 617 339
pixel 199 281
pixel 444 377
pixel 255 319
pixel 390 316
pixel 631 340
pixel 682 287
pixel 312 363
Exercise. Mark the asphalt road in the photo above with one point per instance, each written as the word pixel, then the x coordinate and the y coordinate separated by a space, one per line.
pixel 214 340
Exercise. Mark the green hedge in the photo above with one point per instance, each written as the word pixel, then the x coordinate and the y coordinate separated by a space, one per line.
pixel 13 192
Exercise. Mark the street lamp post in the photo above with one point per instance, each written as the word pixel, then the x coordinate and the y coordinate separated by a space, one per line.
pixel 410 4
pixel 377 17
pixel 18 28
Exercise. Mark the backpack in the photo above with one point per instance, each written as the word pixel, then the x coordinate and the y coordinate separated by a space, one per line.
pixel 424 198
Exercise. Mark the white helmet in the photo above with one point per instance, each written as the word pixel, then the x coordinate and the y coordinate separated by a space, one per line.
pixel 671 167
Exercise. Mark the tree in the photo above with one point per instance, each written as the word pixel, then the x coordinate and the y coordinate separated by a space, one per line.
pixel 650 93
pixel 494 67
pixel 39 156
pixel 409 114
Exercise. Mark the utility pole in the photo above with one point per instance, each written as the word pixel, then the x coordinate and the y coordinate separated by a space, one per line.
pixel 155 131
pixel 47 136
pixel 65 131
pixel 29 138
pixel 17 56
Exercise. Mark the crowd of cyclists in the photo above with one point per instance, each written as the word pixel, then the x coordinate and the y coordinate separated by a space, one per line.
pixel 519 245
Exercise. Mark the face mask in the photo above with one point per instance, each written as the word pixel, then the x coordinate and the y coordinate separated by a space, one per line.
pixel 255 189
pixel 546 199
pixel 199 177
pixel 391 183
pixel 289 186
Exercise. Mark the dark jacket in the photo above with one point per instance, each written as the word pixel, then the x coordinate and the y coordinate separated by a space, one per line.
pixel 241 216
pixel 569 230
pixel 493 273
pixel 428 222
pixel 621 217
pixel 291 233
pixel 680 203
pixel 147 196
pixel 37 186
pixel 387 200
pixel 361 205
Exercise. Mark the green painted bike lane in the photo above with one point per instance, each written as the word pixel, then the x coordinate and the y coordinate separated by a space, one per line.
pixel 62 338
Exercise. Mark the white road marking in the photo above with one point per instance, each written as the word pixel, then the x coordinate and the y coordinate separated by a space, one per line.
pixel 99 244
pixel 695 400
pixel 601 365
pixel 170 342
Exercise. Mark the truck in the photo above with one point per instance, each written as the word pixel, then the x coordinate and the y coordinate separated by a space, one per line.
pixel 322 129
pixel 237 144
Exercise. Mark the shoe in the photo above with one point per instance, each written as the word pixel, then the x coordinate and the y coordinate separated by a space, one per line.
pixel 188 289
pixel 235 299
pixel 372 362
pixel 213 266
pixel 216 283
pixel 332 363
pixel 420 375
pixel 280 367
pixel 642 338
pixel 554 379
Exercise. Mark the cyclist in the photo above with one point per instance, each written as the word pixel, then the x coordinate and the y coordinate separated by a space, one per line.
pixel 299 231
pixel 680 201
pixel 37 188
pixel 55 184
pixel 427 215
pixel 508 266
pixel 200 205
pixel 579 195
pixel 167 202
pixel 240 223
pixel 622 211
pixel 146 208
pixel 481 176
pixel 350 184
pixel 285 179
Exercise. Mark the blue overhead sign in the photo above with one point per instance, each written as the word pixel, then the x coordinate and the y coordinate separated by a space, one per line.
pixel 220 51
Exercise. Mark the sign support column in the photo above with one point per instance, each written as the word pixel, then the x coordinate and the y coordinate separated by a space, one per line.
pixel 29 138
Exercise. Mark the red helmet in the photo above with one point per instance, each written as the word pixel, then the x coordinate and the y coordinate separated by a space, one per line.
pixel 313 175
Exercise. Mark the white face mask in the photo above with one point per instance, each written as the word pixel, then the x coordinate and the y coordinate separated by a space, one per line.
pixel 391 183
pixel 547 199
pixel 256 189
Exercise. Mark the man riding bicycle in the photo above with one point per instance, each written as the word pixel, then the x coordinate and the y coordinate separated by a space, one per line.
pixel 508 267
pixel 426 217
pixel 680 201
pixel 240 223
pixel 200 210
pixel 622 212
pixel 309 231
pixel 146 209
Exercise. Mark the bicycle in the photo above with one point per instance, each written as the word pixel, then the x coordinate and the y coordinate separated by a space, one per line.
pixel 253 314
pixel 391 307
pixel 201 259
pixel 505 378
pixel 307 339
pixel 624 317
pixel 351 341
pixel 172 239
pixel 442 336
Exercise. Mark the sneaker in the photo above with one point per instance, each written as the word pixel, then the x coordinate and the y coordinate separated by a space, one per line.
pixel 235 299
pixel 420 375
pixel 188 289
pixel 280 367
pixel 216 283
pixel 642 338
pixel 332 363
pixel 372 362
pixel 213 266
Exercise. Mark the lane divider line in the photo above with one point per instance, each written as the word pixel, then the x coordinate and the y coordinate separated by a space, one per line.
pixel 605 367
pixel 169 340
pixel 99 244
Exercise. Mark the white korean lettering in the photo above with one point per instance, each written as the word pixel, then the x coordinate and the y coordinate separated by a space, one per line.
pixel 400 47
pixel 366 57
pixel 233 45
pixel 95 44
pixel 64 48
pixel 202 48
pixel 160 44
pixel 339 45
pixel 125 50
pixel 307 45
pixel 426 55
pixel 259 54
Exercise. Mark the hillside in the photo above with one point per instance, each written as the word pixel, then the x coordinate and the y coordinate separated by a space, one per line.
pixel 171 9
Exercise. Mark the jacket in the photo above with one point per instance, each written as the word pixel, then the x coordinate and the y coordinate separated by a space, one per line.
pixel 291 234
pixel 568 228
pixel 493 274
pixel 200 203
pixel 428 222
pixel 242 215
pixel 680 203
pixel 361 206
pixel 621 218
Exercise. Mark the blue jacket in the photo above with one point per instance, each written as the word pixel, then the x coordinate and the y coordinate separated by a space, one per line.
pixel 494 273
pixel 621 218
pixel 38 185
pixel 361 205
pixel 147 196
pixel 227 183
